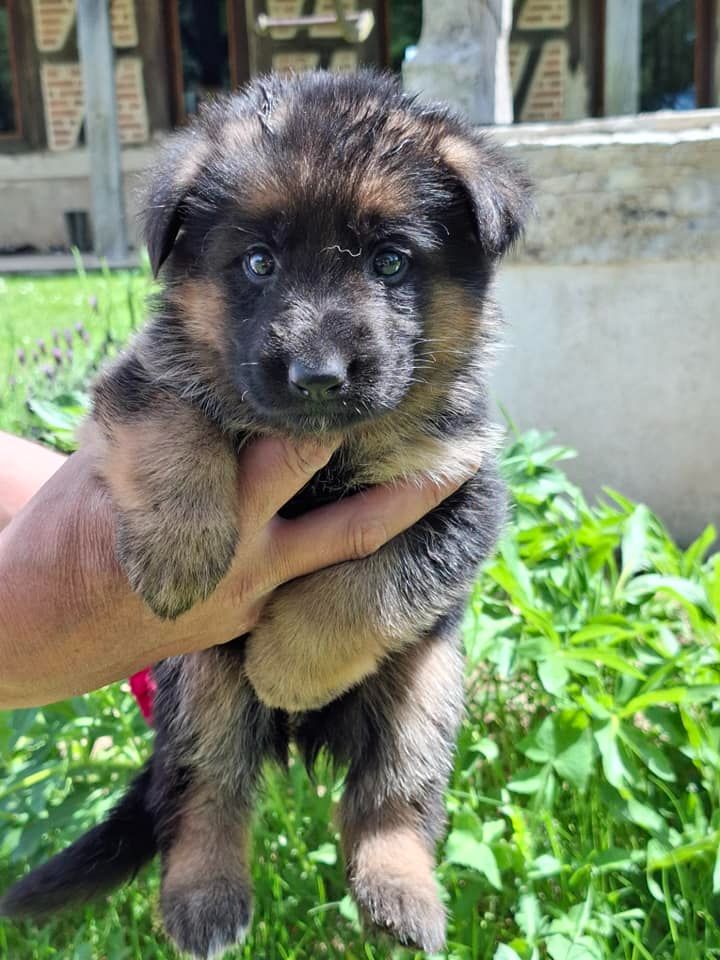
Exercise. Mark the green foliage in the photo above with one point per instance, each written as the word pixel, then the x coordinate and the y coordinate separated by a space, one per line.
pixel 594 670
pixel 54 333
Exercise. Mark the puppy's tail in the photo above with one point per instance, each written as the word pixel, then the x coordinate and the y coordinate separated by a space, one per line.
pixel 100 860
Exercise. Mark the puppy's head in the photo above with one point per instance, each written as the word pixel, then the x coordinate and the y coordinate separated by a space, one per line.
pixel 328 242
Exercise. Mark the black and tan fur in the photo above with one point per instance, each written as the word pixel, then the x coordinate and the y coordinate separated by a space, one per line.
pixel 361 659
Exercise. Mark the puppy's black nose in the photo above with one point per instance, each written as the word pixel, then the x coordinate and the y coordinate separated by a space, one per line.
pixel 319 381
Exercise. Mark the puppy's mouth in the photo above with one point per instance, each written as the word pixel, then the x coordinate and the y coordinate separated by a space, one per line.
pixel 314 417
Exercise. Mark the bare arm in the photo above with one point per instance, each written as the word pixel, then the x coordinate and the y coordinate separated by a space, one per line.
pixel 24 468
pixel 68 619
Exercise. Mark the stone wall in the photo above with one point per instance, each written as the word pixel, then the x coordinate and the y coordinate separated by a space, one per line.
pixel 641 188
pixel 54 23
pixel 37 188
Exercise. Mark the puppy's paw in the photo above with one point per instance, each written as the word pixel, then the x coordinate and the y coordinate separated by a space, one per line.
pixel 205 921
pixel 414 917
pixel 394 887
pixel 297 664
pixel 173 569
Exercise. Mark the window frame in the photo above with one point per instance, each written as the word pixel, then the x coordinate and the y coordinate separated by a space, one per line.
pixel 236 37
pixel 17 132
pixel 706 13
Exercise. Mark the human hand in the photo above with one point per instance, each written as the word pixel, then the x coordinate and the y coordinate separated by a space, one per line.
pixel 68 619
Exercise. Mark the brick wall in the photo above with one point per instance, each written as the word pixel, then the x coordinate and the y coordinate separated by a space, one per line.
pixel 123 23
pixel 62 87
pixel 544 15
pixel 54 19
pixel 538 63
pixel 132 108
pixel 61 79
pixel 546 96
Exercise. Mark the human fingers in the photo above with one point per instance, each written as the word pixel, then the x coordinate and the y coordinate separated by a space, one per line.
pixel 271 471
pixel 355 527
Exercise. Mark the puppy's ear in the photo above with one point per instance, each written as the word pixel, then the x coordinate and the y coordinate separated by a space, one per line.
pixel 496 189
pixel 181 161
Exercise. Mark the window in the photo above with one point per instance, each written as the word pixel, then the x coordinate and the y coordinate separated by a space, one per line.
pixel 667 66
pixel 9 119
pixel 679 39
pixel 204 50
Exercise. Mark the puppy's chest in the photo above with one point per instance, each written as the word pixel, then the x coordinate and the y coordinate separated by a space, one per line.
pixel 364 462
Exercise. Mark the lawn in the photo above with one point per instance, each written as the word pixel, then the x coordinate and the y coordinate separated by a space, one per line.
pixel 54 329
pixel 584 811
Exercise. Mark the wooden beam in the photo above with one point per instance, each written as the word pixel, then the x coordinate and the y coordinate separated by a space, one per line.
pixel 98 66
pixel 623 38
pixel 706 15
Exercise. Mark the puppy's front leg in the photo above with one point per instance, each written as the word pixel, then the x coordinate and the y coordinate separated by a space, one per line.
pixel 323 634
pixel 171 475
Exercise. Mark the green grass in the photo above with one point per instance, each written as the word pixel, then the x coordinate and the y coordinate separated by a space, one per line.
pixel 39 314
pixel 584 810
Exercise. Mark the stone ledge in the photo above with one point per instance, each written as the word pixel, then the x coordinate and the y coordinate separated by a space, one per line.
pixel 640 128
pixel 69 164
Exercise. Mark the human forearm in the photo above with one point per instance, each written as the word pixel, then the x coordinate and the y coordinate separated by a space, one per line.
pixel 24 468
pixel 68 619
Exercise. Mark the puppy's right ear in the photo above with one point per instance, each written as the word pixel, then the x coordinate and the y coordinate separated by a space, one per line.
pixel 182 159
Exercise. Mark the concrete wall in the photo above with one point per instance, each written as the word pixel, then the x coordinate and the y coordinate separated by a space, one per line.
pixel 37 188
pixel 623 362
pixel 613 308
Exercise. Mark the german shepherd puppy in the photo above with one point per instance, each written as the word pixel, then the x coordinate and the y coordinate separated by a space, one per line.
pixel 327 247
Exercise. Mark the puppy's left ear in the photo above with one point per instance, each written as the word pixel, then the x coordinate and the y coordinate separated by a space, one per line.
pixel 181 160
pixel 497 190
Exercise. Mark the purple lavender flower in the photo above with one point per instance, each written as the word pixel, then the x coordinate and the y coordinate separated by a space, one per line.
pixel 55 338
pixel 49 372
pixel 57 355
pixel 21 356
pixel 42 347
pixel 35 356
pixel 68 334
pixel 69 356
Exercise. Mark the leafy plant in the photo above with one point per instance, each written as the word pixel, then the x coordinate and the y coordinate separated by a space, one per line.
pixel 594 721
pixel 44 377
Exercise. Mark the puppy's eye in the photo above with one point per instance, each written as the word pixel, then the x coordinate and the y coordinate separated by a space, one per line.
pixel 390 264
pixel 259 263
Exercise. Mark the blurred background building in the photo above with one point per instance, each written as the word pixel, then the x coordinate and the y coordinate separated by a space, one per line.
pixel 610 103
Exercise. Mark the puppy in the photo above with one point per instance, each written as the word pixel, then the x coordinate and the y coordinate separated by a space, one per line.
pixel 327 247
